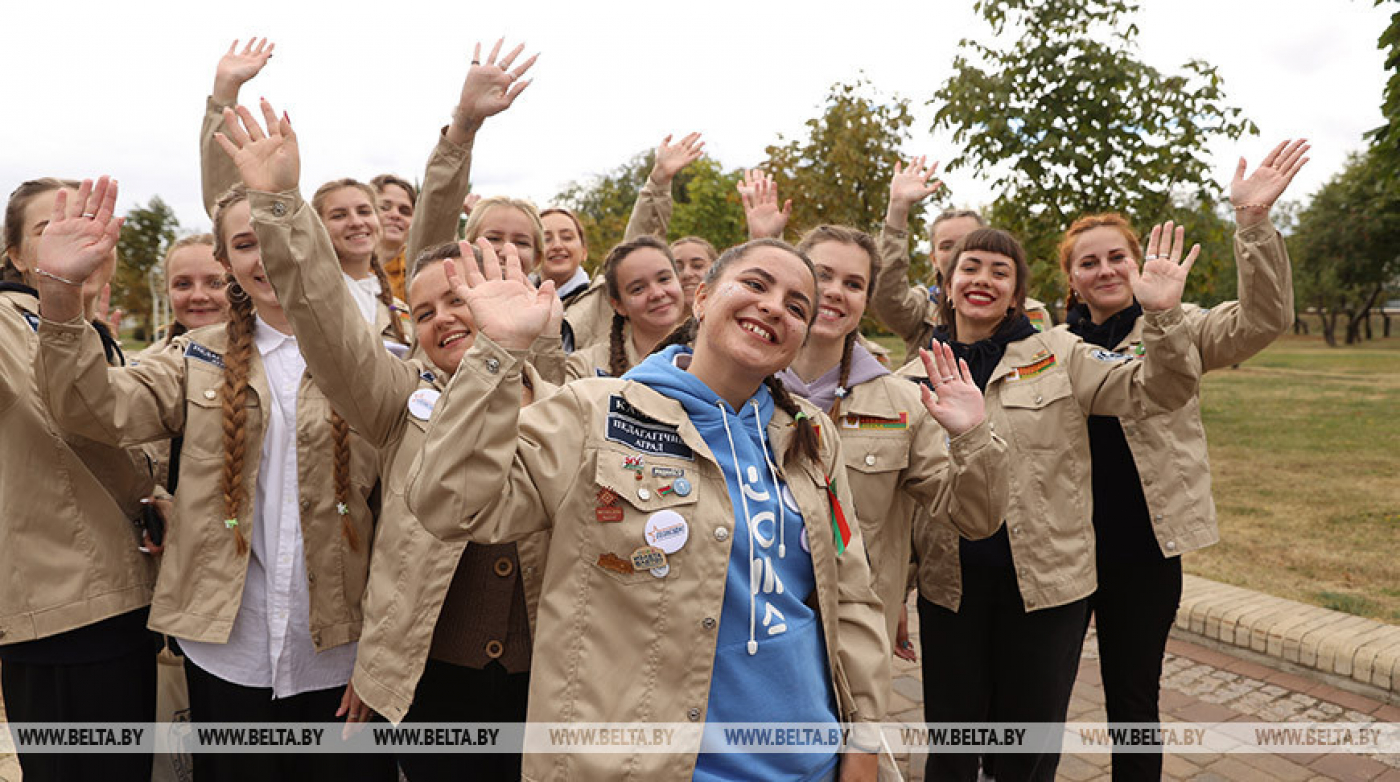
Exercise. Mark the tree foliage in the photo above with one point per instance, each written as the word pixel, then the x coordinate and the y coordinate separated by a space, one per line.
pixel 1346 251
pixel 705 204
pixel 1066 121
pixel 146 234
pixel 1386 138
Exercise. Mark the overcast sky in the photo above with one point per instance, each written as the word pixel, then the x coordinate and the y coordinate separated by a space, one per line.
pixel 119 88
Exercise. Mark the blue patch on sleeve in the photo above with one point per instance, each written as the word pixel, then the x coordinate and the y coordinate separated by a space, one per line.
pixel 601 373
pixel 1108 355
pixel 627 426
pixel 198 352
pixel 32 320
pixel 428 376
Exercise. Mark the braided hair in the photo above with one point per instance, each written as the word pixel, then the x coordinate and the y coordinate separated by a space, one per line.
pixel 843 235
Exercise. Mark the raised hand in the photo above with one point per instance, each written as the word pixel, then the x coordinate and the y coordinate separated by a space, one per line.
pixel 1253 196
pixel 237 67
pixel 268 161
pixel 1163 277
pixel 760 196
pixel 469 203
pixel 81 234
pixel 671 158
pixel 909 186
pixel 506 306
pixel 490 88
pixel 958 405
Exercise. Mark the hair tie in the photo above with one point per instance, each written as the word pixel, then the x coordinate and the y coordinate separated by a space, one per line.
pixel 800 415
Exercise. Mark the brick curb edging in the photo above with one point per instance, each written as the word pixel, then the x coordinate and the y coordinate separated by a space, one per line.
pixel 1348 651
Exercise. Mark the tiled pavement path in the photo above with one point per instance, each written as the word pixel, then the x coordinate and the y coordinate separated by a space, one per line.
pixel 1198 685
pixel 1203 685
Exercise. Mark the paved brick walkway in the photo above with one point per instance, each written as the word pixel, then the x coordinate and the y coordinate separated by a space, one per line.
pixel 1203 685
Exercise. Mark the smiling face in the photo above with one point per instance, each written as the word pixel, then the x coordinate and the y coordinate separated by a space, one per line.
pixel 352 220
pixel 1099 271
pixel 983 288
pixel 649 294
pixel 395 215
pixel 843 283
pixel 195 284
pixel 245 257
pixel 946 235
pixel 694 260
pixel 564 250
pixel 442 319
pixel 754 317
pixel 504 223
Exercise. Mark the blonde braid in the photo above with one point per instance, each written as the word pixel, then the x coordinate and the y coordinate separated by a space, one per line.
pixel 386 297
pixel 235 398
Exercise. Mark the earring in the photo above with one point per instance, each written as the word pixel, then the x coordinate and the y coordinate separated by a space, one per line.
pixel 235 293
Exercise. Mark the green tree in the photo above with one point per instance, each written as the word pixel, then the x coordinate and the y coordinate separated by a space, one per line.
pixel 1347 246
pixel 146 234
pixel 1386 138
pixel 705 201
pixel 1067 121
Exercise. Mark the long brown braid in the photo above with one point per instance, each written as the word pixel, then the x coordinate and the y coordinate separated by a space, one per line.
pixel 617 346
pixel 845 375
pixel 340 430
pixel 386 297
pixel 234 394
pixel 806 443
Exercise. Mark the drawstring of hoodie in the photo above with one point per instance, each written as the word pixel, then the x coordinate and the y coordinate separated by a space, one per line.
pixel 777 487
pixel 748 525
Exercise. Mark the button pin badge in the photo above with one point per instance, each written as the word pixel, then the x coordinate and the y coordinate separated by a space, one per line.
pixel 681 487
pixel 667 530
pixel 648 558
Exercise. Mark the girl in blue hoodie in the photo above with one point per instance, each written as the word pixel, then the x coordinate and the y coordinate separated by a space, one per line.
pixel 752 602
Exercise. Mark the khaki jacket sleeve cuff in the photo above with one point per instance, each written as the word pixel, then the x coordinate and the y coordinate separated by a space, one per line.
pixel 274 207
pixel 896 234
pixel 66 331
pixel 452 152
pixel 1258 232
pixel 215 107
pixel 492 362
pixel 1164 319
pixel 970 442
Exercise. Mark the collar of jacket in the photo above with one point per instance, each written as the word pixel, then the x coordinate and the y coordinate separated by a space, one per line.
pixel 871 398
pixel 668 411
pixel 26 297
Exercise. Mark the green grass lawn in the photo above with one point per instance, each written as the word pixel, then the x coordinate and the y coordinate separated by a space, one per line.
pixel 1305 454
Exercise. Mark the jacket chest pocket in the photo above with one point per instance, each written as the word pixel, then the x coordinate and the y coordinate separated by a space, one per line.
pixel 1041 411
pixel 204 416
pixel 874 454
pixel 643 515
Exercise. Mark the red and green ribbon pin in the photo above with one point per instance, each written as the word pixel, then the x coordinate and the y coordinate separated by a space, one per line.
pixel 840 528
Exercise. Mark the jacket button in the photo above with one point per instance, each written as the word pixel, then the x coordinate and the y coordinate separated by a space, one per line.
pixel 1039 399
pixel 306 504
pixel 870 460
pixel 492 365
pixel 279 209
pixel 708 623
pixel 504 567
pixel 1171 545
pixel 721 534
pixel 643 494
pixel 494 649
pixel 1157 518
pixel 209 394
pixel 693 714
pixel 310 578
pixel 1016 530
pixel 529 571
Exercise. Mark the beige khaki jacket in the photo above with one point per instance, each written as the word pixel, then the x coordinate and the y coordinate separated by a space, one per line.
pixel 1038 400
pixel 900 461
pixel 67 545
pixel 176 392
pixel 906 309
pixel 620 646
pixel 593 361
pixel 389 402
pixel 1170 448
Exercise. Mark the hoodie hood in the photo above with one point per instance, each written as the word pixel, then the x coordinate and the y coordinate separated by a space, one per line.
pixel 823 391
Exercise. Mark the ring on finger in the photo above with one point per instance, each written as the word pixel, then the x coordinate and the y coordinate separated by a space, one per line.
pixel 947 379
pixel 1151 258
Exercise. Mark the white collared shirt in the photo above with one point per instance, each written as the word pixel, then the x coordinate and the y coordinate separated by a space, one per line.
pixel 579 280
pixel 270 644
pixel 365 292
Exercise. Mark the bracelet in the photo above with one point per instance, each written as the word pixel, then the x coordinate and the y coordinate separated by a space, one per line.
pixel 52 276
pixel 1238 207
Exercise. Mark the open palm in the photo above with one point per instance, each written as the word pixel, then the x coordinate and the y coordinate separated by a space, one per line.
pixel 491 87
pixel 269 160
pixel 955 402
pixel 1163 277
pixel 82 231
pixel 506 306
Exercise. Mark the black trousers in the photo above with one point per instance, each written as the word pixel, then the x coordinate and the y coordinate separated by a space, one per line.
pixel 453 693
pixel 215 700
pixel 1133 610
pixel 992 661
pixel 118 690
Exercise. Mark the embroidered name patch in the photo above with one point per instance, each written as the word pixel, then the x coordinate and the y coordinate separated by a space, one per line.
pixel 629 427
pixel 1034 368
pixel 1037 319
pixel 601 373
pixel 32 320
pixel 198 352
pixel 875 422
pixel 1108 355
